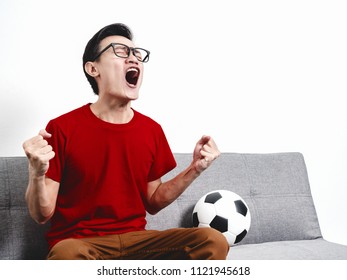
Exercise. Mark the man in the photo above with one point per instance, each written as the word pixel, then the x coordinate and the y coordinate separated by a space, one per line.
pixel 95 171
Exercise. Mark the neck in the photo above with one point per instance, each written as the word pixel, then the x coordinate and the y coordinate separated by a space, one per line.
pixel 113 112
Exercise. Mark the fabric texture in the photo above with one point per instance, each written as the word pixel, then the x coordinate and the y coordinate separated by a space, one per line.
pixel 20 236
pixel 177 243
pixel 316 249
pixel 274 186
pixel 103 170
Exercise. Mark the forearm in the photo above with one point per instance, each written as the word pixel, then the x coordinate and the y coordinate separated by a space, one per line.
pixel 168 191
pixel 40 195
pixel 38 200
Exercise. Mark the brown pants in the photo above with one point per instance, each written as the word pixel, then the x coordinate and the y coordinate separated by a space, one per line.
pixel 182 243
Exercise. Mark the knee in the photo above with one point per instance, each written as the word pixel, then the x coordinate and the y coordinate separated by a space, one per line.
pixel 215 243
pixel 71 249
pixel 217 239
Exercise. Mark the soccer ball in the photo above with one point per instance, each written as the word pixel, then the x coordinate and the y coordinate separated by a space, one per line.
pixel 224 211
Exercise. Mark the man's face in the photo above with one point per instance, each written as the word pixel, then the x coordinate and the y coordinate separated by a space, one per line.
pixel 119 77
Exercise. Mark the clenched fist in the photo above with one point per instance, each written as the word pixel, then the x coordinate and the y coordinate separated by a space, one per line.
pixel 205 152
pixel 39 153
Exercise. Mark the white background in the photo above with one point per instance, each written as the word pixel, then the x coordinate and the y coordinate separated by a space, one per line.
pixel 259 76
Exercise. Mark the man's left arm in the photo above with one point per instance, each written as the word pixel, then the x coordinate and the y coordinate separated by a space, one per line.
pixel 161 194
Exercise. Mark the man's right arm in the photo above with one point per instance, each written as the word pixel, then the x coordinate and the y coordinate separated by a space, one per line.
pixel 42 192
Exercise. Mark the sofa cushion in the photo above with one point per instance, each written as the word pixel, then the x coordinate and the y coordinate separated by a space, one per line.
pixel 20 236
pixel 275 187
pixel 317 249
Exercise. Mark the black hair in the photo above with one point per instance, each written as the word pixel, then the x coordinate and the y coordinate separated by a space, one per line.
pixel 92 47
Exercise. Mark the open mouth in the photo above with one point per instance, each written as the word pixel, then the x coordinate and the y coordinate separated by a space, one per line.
pixel 132 76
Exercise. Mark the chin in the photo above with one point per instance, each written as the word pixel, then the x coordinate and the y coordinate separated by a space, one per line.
pixel 133 98
pixel 133 95
pixel 124 94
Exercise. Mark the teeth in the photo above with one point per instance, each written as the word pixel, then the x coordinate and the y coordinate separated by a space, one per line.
pixel 132 69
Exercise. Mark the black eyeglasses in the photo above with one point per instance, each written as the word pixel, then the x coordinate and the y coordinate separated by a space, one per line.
pixel 123 51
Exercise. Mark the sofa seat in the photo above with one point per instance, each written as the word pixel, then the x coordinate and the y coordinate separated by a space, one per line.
pixel 316 249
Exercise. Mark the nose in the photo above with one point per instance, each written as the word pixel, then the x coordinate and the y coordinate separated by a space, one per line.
pixel 132 58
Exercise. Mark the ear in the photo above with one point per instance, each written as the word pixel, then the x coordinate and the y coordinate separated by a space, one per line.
pixel 91 69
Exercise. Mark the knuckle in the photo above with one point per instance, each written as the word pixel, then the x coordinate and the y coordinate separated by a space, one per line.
pixel 28 151
pixel 35 157
pixel 24 145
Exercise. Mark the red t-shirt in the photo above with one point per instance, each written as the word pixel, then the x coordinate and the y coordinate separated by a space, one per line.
pixel 103 170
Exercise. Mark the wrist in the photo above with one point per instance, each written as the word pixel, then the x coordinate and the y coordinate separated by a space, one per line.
pixel 196 169
pixel 35 175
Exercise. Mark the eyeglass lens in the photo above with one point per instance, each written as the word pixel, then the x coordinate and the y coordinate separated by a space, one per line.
pixel 124 52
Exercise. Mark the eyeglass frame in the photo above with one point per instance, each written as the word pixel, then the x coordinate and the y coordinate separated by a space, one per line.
pixel 131 49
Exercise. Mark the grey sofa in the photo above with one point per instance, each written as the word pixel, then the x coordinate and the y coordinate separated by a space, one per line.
pixel 275 186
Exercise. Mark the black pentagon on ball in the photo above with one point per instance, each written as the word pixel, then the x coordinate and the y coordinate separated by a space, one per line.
pixel 241 207
pixel 195 219
pixel 240 236
pixel 219 223
pixel 213 197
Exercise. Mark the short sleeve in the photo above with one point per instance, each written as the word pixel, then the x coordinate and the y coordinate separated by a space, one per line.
pixel 164 160
pixel 57 141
